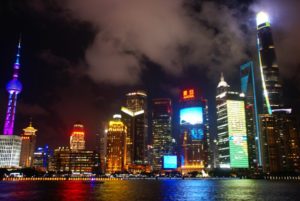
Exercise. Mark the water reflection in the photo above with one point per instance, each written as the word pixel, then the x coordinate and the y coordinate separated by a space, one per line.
pixel 148 190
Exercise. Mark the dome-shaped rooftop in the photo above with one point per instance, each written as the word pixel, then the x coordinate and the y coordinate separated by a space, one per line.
pixel 14 86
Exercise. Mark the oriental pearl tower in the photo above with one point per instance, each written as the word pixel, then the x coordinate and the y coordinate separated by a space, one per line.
pixel 13 87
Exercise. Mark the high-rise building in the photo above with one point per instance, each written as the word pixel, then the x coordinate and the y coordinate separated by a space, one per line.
pixel 280 143
pixel 279 135
pixel 269 69
pixel 134 115
pixel 194 136
pixel 10 145
pixel 248 88
pixel 77 141
pixel 161 130
pixel 116 145
pixel 232 145
pixel 28 146
pixel 41 158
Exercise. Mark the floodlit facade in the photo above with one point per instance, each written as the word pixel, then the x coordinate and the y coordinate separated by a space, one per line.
pixel 116 145
pixel 10 148
pixel 75 162
pixel 232 147
pixel 135 117
pixel 161 131
pixel 28 146
pixel 77 141
pixel 194 135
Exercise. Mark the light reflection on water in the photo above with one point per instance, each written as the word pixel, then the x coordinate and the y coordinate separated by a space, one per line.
pixel 148 190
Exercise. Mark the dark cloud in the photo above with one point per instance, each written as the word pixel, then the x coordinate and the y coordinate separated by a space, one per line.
pixel 168 33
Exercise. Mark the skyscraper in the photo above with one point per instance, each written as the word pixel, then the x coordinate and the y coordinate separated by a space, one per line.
pixel 77 141
pixel 161 130
pixel 116 145
pixel 134 115
pixel 232 145
pixel 194 136
pixel 248 88
pixel 10 145
pixel 269 69
pixel 28 146
pixel 279 141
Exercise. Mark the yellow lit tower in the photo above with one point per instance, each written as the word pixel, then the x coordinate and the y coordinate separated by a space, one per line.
pixel 28 146
pixel 116 145
pixel 77 141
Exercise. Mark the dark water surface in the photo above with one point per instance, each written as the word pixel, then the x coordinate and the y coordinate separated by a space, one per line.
pixel 145 190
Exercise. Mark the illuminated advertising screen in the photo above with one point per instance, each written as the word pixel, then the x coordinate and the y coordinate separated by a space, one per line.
pixel 237 134
pixel 197 133
pixel 169 162
pixel 191 116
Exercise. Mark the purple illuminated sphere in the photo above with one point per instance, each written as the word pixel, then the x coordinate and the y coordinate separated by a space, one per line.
pixel 14 86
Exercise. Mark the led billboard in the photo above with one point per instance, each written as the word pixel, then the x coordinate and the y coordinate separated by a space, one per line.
pixel 191 116
pixel 169 162
pixel 197 133
pixel 237 134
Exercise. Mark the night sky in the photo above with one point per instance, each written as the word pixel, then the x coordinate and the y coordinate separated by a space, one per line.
pixel 80 58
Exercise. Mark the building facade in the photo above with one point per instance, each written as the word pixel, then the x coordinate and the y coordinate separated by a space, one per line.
pixel 77 141
pixel 135 117
pixel 74 162
pixel 116 145
pixel 194 136
pixel 232 147
pixel 161 131
pixel 41 158
pixel 248 88
pixel 280 143
pixel 28 146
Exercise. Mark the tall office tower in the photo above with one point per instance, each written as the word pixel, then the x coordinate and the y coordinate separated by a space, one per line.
pixel 161 130
pixel 193 131
pixel 134 115
pixel 280 143
pixel 231 128
pixel 28 146
pixel 77 141
pixel 269 70
pixel 249 90
pixel 10 145
pixel 116 145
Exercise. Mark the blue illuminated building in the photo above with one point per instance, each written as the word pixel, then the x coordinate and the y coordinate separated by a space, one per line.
pixel 194 136
pixel 249 90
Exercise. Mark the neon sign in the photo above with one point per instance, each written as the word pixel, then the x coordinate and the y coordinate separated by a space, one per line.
pixel 188 94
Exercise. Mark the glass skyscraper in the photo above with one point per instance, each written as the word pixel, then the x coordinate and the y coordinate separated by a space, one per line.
pixel 269 69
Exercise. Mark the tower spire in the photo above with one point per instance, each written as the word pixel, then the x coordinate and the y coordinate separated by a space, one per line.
pixel 13 87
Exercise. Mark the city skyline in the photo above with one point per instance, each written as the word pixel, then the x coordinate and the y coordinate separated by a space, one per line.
pixel 53 120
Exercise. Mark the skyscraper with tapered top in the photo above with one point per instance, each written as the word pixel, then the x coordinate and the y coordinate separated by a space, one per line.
pixel 269 69
pixel 10 145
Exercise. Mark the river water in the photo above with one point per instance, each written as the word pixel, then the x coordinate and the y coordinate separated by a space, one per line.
pixel 146 190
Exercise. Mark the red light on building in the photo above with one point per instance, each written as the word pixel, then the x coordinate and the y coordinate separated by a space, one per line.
pixel 188 94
